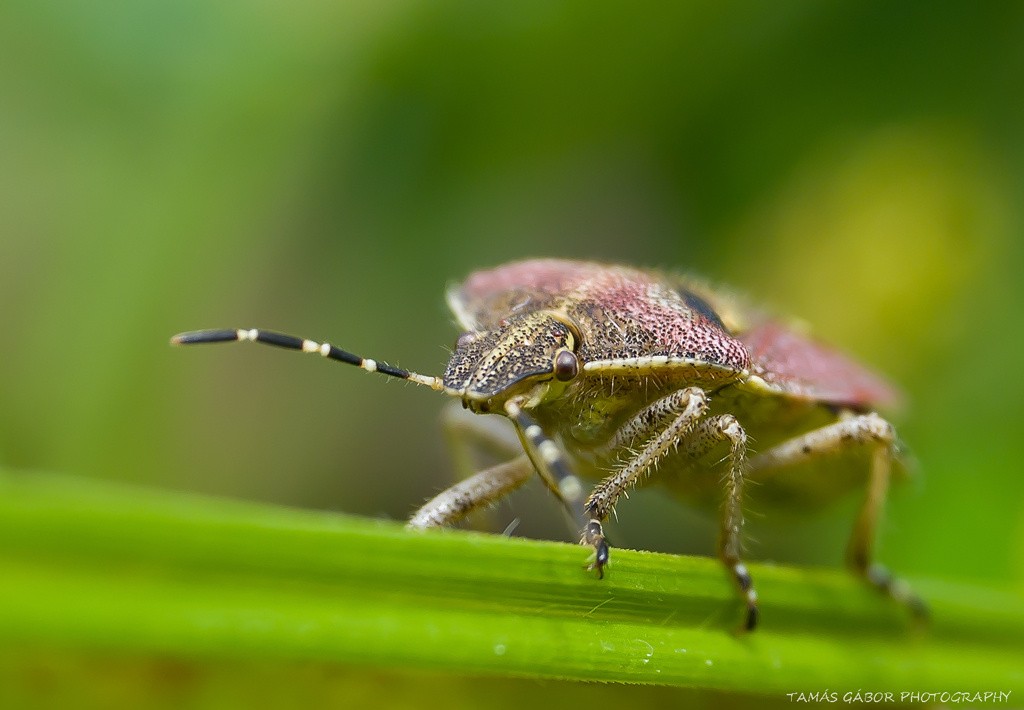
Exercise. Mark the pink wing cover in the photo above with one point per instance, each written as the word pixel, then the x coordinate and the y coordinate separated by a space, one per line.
pixel 805 368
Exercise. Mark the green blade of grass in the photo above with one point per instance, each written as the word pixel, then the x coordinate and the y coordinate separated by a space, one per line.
pixel 96 566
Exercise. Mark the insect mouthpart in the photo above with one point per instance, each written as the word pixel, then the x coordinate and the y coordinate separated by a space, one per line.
pixel 479 406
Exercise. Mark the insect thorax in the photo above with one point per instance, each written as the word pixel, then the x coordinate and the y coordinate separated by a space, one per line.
pixel 589 412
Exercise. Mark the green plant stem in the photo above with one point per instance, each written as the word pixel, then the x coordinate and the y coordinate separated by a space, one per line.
pixel 100 566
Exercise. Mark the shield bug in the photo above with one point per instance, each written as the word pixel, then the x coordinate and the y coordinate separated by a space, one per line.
pixel 623 375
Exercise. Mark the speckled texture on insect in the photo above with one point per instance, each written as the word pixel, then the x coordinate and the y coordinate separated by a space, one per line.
pixel 624 375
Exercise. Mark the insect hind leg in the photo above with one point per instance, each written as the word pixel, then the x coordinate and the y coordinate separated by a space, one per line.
pixel 864 431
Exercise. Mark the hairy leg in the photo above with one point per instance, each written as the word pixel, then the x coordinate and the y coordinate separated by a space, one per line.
pixel 706 435
pixel 474 492
pixel 855 431
pixel 473 437
pixel 681 410
pixel 470 437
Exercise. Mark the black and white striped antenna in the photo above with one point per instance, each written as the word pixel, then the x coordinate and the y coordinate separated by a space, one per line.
pixel 290 342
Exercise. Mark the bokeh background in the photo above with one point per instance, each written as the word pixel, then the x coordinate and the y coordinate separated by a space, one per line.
pixel 327 169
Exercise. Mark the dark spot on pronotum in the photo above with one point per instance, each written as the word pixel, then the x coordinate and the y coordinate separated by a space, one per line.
pixel 695 303
pixel 806 448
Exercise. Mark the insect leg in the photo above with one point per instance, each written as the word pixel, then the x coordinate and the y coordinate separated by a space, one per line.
pixel 865 430
pixel 706 435
pixel 290 342
pixel 548 459
pixel 479 490
pixel 687 406
pixel 471 435
pixel 649 420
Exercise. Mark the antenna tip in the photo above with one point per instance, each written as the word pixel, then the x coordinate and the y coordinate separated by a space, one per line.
pixel 205 336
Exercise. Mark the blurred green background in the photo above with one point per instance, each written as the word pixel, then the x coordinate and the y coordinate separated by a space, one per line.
pixel 326 169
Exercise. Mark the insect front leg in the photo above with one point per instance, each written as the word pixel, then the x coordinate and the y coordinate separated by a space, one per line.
pixel 476 491
pixel 469 435
pixel 681 409
pixel 706 435
pixel 865 430
pixel 548 460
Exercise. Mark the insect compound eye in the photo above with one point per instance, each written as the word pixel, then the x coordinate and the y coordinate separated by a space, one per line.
pixel 567 365
pixel 465 340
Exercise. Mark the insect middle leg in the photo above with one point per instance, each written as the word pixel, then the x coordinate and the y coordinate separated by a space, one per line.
pixel 706 435
pixel 681 410
pixel 864 430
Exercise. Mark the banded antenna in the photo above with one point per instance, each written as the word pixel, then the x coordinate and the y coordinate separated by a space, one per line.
pixel 545 455
pixel 290 342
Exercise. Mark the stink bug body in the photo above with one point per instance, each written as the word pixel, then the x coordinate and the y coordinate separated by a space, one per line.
pixel 621 375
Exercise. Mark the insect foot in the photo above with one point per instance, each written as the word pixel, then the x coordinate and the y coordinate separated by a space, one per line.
pixel 879 577
pixel 746 585
pixel 593 535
